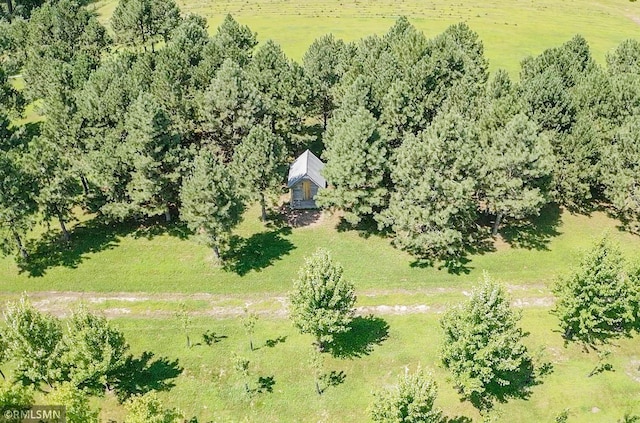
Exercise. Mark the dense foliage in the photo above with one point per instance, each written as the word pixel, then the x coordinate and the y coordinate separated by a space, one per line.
pixel 417 136
pixel 483 348
pixel 598 301
pixel 322 299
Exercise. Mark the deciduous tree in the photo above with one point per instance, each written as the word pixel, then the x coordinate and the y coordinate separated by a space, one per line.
pixel 322 299
pixel 483 347
pixel 410 400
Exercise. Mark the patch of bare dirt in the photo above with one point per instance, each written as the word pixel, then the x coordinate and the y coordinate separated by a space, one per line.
pixel 226 306
pixel 632 370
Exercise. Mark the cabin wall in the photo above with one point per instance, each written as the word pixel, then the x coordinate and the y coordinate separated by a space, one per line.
pixel 297 196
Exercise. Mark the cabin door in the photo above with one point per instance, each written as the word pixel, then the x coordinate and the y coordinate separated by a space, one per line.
pixel 306 190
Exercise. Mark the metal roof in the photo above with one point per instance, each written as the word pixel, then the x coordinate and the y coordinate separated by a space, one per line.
pixel 306 166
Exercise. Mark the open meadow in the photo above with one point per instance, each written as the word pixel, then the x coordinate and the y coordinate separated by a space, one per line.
pixel 510 29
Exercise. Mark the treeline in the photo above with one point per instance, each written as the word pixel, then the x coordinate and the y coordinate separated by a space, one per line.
pixel 418 138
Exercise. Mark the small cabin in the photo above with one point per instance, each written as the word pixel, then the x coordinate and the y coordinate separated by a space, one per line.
pixel 305 180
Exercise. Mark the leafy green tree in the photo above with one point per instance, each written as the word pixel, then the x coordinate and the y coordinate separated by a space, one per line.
pixel 356 166
pixel 411 400
pixel 323 68
pixel 75 402
pixel 140 22
pixel 155 156
pixel 17 204
pixel 516 166
pixel 230 107
pixel 241 366
pixel 259 165
pixel 35 343
pixel 211 204
pixel 149 409
pixel 322 299
pixel 483 347
pixel 94 351
pixel 432 211
pixel 596 302
pixel 15 395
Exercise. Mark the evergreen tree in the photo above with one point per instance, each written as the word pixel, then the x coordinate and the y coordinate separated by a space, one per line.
pixel 597 302
pixel 483 347
pixel 322 299
pixel 211 204
pixel 17 204
pixel 625 58
pixel 259 165
pixel 621 171
pixel 140 22
pixel 230 107
pixel 432 211
pixel 323 68
pixel 516 166
pixel 155 157
pixel 355 165
pixel 283 91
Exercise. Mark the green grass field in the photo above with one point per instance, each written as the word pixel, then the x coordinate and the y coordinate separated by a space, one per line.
pixel 210 389
pixel 146 260
pixel 510 29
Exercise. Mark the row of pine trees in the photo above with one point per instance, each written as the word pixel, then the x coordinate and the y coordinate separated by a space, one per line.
pixel 419 139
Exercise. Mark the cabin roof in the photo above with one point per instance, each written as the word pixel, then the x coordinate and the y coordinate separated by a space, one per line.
pixel 306 166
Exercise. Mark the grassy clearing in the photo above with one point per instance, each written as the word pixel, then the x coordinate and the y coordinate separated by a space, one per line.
pixel 106 259
pixel 510 29
pixel 210 389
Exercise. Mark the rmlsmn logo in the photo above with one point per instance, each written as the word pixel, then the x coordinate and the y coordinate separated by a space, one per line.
pixel 35 414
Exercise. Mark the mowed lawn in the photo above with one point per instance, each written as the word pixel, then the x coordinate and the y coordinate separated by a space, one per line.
pixel 210 389
pixel 136 259
pixel 510 29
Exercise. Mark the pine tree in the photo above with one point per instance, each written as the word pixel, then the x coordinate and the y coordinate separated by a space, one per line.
pixel 516 167
pixel 356 167
pixel 259 165
pixel 597 302
pixel 322 67
pixel 140 22
pixel 432 211
pixel 211 203
pixel 230 107
pixel 155 158
pixel 18 206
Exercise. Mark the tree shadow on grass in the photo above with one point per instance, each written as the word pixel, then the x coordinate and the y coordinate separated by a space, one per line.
pixel 519 386
pixel 360 339
pixel 366 228
pixel 258 251
pixel 536 233
pixel 458 264
pixel 137 376
pixel 331 379
pixel 88 237
pixel 273 342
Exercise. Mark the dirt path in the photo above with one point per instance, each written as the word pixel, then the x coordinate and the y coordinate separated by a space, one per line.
pixel 119 304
